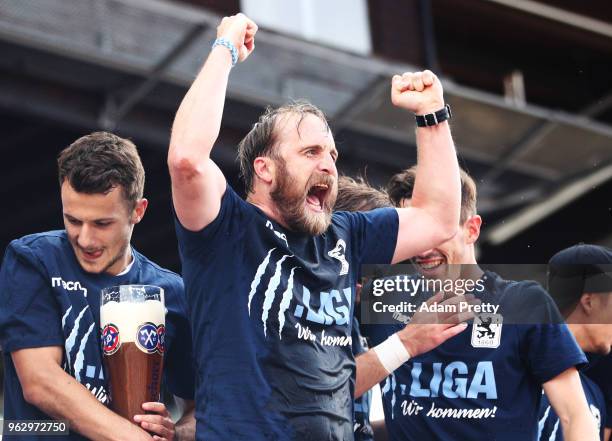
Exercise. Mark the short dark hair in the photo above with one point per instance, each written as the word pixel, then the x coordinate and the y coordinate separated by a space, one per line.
pixel 101 161
pixel 401 186
pixel 262 138
pixel 356 194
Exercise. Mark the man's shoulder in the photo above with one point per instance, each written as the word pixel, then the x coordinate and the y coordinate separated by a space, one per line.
pixel 522 301
pixel 354 222
pixel 154 271
pixel 525 288
pixel 342 217
pixel 42 245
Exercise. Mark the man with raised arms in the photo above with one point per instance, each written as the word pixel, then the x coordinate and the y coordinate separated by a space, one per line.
pixel 271 280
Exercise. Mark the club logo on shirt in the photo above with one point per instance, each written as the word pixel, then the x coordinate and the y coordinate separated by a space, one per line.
pixel 486 332
pixel 147 338
pixel 338 253
pixel 110 339
pixel 279 235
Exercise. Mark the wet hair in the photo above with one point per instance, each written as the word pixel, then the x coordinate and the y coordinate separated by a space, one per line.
pixel 356 194
pixel 101 161
pixel 401 186
pixel 262 138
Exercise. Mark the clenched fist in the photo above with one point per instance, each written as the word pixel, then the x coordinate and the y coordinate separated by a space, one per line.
pixel 419 92
pixel 240 30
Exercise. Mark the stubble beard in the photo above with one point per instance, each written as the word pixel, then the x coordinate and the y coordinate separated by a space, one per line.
pixel 290 202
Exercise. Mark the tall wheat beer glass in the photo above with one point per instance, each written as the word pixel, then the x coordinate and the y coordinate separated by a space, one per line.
pixel 132 321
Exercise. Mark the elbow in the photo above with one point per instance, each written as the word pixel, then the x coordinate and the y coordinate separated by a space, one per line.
pixel 565 421
pixel 183 165
pixel 34 393
pixel 578 421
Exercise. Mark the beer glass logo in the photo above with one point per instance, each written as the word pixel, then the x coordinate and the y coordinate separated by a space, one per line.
pixel 161 339
pixel 110 339
pixel 147 337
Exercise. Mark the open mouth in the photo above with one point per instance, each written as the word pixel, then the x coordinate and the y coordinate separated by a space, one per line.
pixel 91 255
pixel 316 196
pixel 429 263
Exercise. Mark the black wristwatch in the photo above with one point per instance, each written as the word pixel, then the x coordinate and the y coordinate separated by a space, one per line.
pixel 431 119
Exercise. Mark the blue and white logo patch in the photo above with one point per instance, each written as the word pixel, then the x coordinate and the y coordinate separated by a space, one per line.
pixel 110 339
pixel 487 329
pixel 147 338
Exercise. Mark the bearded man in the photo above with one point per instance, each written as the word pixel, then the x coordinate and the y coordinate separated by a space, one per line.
pixel 270 281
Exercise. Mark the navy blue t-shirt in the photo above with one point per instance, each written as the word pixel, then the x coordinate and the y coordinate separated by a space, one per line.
pixel 549 426
pixel 477 385
pixel 271 314
pixel 47 299
pixel 362 427
pixel 600 371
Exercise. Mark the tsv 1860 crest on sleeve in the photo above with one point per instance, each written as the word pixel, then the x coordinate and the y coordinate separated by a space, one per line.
pixel 486 331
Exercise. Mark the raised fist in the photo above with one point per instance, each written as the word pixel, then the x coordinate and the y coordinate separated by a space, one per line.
pixel 240 30
pixel 419 92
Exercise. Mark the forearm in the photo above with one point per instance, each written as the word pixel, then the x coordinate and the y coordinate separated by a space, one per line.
pixel 198 119
pixel 437 188
pixel 414 339
pixel 580 427
pixel 370 371
pixel 62 397
pixel 566 396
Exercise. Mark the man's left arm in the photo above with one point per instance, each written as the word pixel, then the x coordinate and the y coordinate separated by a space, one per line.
pixel 433 215
pixel 567 397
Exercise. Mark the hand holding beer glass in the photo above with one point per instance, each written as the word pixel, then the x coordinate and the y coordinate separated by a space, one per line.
pixel 132 321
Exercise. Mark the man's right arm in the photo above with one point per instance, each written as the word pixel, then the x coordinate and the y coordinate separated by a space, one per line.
pixel 425 332
pixel 48 387
pixel 197 183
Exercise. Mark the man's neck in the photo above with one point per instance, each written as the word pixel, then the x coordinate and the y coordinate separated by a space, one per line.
pixel 266 205
pixel 471 271
pixel 124 264
pixel 579 334
pixel 130 262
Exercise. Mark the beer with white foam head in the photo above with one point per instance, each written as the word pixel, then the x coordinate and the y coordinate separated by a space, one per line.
pixel 132 326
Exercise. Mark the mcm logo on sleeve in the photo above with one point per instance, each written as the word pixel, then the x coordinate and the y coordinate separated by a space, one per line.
pixel 486 331
pixel 68 285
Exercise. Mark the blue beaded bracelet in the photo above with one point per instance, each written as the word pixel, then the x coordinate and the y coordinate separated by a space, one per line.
pixel 228 44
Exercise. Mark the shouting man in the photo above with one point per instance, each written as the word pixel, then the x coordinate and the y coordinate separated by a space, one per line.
pixel 271 280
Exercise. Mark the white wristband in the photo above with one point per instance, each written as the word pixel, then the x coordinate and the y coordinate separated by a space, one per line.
pixel 392 353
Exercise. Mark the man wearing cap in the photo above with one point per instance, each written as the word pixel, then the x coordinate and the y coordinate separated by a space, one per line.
pixel 580 282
